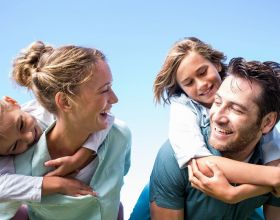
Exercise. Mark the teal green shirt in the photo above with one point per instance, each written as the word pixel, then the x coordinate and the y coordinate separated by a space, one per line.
pixel 170 188
pixel 114 162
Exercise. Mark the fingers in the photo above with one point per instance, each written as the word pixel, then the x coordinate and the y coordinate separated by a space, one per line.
pixel 87 192
pixel 214 168
pixel 194 181
pixel 56 172
pixel 196 171
pixel 190 172
pixel 53 163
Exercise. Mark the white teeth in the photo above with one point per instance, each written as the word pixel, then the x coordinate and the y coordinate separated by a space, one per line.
pixel 206 92
pixel 106 112
pixel 222 131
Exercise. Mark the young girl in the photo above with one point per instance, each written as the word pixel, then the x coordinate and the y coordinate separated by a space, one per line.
pixel 188 80
pixel 20 128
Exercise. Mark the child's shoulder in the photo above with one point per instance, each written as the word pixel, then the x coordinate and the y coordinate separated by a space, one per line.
pixel 181 99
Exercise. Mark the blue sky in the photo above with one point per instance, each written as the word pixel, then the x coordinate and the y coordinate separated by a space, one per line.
pixel 136 36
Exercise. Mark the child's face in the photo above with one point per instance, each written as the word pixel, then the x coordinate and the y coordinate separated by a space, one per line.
pixel 19 130
pixel 199 78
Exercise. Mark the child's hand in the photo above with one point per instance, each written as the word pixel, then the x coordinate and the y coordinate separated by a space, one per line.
pixel 70 164
pixel 216 186
pixel 66 186
pixel 64 166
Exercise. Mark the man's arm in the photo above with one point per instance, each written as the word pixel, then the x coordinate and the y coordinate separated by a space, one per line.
pixel 271 212
pixel 167 186
pixel 159 213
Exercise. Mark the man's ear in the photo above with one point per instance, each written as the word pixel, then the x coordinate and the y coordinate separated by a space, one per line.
pixel 268 122
pixel 62 102
pixel 11 101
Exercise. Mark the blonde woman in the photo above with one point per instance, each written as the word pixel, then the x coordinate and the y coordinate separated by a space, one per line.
pixel 74 83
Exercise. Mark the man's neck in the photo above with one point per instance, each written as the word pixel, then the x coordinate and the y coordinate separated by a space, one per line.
pixel 243 155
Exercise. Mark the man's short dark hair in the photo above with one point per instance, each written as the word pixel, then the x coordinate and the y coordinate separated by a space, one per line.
pixel 267 76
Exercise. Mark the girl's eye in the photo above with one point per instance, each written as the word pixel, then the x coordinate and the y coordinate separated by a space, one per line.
pixel 21 127
pixel 202 72
pixel 189 83
pixel 14 147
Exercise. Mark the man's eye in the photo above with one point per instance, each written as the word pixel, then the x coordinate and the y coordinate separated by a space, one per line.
pixel 237 110
pixel 217 102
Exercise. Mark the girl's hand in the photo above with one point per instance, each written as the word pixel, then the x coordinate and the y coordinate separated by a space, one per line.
pixel 66 186
pixel 70 164
pixel 64 166
pixel 216 186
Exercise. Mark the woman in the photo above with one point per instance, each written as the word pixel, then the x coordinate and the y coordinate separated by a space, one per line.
pixel 74 83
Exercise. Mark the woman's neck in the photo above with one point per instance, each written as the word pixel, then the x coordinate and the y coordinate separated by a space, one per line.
pixel 65 139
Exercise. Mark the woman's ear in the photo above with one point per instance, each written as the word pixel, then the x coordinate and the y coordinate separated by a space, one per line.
pixel 11 101
pixel 268 122
pixel 62 102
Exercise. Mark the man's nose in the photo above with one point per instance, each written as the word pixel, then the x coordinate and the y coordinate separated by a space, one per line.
pixel 220 115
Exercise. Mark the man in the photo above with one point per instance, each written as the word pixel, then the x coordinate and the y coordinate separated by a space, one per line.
pixel 246 106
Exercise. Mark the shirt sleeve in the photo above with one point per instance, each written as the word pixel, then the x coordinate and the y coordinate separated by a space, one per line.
pixel 95 139
pixel 18 187
pixel 167 181
pixel 271 146
pixel 185 134
pixel 127 137
pixel 273 201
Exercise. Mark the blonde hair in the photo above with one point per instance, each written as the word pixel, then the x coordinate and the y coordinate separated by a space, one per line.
pixel 165 85
pixel 47 70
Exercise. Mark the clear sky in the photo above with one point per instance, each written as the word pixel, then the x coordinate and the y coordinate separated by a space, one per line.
pixel 136 36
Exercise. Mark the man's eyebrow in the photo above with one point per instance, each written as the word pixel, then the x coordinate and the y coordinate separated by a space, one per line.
pixel 243 107
pixel 217 95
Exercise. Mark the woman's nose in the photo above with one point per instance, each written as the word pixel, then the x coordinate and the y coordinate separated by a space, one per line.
pixel 113 98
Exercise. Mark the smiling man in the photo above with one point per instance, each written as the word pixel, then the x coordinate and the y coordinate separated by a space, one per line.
pixel 246 106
